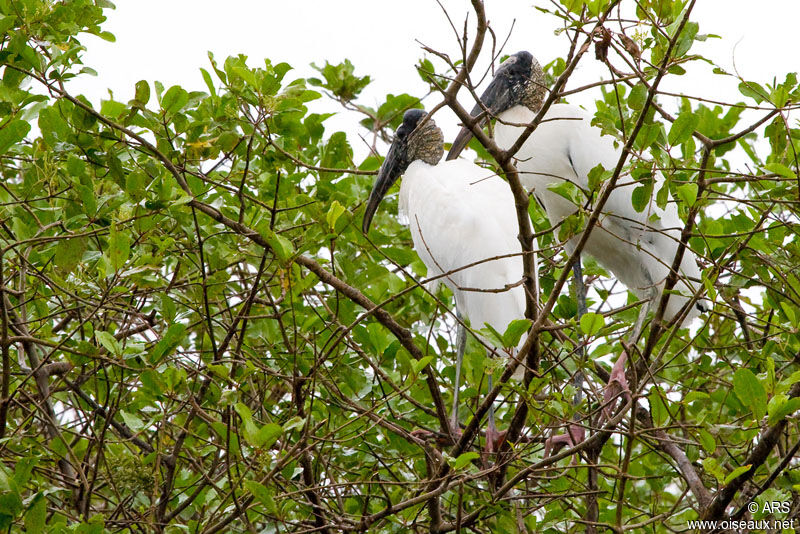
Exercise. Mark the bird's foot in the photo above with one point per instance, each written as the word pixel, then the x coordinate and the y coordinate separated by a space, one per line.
pixel 617 385
pixel 575 434
pixel 455 432
pixel 440 438
pixel 494 440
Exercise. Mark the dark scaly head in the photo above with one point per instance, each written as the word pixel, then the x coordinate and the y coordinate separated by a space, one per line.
pixel 519 81
pixel 415 139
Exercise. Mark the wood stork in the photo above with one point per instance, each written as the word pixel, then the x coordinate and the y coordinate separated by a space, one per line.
pixel 459 214
pixel 638 247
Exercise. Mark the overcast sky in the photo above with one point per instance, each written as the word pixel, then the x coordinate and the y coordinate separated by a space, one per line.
pixel 168 40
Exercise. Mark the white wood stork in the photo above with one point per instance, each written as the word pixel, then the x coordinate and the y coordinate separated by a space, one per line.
pixel 637 247
pixel 459 214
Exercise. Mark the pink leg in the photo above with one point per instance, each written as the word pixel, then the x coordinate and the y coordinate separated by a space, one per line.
pixel 617 385
pixel 574 435
pixel 495 438
pixel 443 440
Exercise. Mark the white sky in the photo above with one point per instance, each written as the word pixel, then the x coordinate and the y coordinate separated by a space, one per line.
pixel 168 40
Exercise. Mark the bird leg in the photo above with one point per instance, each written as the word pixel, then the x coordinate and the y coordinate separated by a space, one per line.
pixel 617 382
pixel 617 385
pixel 580 288
pixel 461 344
pixel 580 294
pixel 638 326
pixel 494 438
pixel 575 433
pixel 455 427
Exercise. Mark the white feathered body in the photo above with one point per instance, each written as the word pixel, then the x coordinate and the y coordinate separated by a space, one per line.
pixel 459 214
pixel 637 247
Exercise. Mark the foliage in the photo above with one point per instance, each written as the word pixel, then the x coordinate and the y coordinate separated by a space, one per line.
pixel 196 336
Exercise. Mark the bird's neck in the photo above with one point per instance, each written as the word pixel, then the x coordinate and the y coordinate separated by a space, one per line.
pixel 517 115
pixel 412 178
pixel 506 134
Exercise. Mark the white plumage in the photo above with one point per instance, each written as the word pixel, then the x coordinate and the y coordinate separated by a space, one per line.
pixel 460 214
pixel 463 223
pixel 637 247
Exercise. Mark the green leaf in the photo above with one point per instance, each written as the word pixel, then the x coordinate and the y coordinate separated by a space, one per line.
pixel 753 90
pixel 736 473
pixel 182 199
pixel 688 193
pixel 266 436
pixel 6 23
pixel 419 365
pixel 109 342
pixel 682 128
pixel 790 312
pixel 112 108
pixel 493 335
pixel 174 99
pixel 571 226
pixel 119 248
pixel 573 5
pixel 514 332
pixel 53 126
pixel 94 526
pixel 281 246
pixel 340 79
pixel 167 343
pixel 244 412
pixel 260 438
pixel 334 212
pixel 750 392
pixel 136 184
pixel 36 516
pixel 658 409
pixel 640 196
pixel 133 421
pixel 336 155
pixel 591 323
pixel 379 337
pixel 263 495
pixel 638 97
pixel 597 176
pixel 781 170
pixel 707 441
pixel 465 459
pixel 24 469
pixel 781 406
pixel 209 82
pixel 294 423
pixel 695 396
pixel 13 132
pixel 142 95
pixel 427 72
pixel 567 190
pixel 69 253
pixel 220 370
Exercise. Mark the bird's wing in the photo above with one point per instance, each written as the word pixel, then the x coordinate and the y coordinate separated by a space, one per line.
pixel 655 231
pixel 460 214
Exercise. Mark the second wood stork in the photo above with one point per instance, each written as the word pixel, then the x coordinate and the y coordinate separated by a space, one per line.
pixel 463 224
pixel 637 246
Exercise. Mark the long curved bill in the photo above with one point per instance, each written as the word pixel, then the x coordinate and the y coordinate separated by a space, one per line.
pixel 390 171
pixel 497 98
